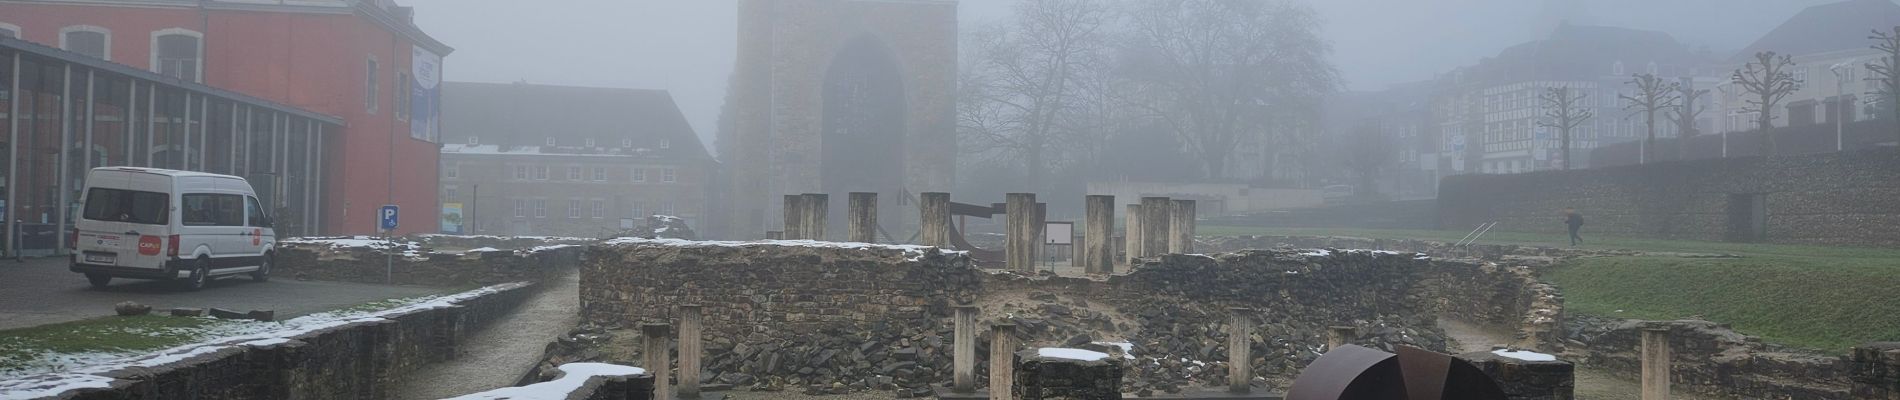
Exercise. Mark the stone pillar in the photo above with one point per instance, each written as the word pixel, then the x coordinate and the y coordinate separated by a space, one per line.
pixel 1181 227
pixel 963 357
pixel 817 209
pixel 862 214
pixel 1131 234
pixel 1020 233
pixel 1876 371
pixel 936 212
pixel 1002 361
pixel 690 349
pixel 1240 351
pixel 1337 336
pixel 1655 362
pixel 1154 226
pixel 1098 255
pixel 657 362
pixel 794 217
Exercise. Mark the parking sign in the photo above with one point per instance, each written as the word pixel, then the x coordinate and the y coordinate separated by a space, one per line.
pixel 388 217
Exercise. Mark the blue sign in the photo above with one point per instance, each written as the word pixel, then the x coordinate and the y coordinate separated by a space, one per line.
pixel 388 216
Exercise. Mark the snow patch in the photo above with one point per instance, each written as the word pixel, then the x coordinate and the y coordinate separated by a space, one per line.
pixel 51 385
pixel 1317 253
pixel 1128 349
pixel 1072 354
pixel 907 248
pixel 1524 355
pixel 573 376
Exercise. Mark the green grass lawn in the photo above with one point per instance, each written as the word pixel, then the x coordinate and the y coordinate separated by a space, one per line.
pixel 1825 298
pixel 22 347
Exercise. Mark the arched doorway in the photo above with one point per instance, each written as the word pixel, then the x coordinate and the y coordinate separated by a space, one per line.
pixel 863 129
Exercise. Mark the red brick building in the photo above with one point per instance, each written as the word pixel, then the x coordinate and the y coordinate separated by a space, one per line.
pixel 361 61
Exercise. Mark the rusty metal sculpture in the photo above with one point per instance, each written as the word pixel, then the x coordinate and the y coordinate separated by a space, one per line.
pixel 1358 373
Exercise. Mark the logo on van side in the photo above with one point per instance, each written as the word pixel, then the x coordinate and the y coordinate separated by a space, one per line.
pixel 149 245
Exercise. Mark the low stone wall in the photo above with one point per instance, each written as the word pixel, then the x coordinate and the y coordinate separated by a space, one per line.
pixel 1525 379
pixel 792 314
pixel 464 242
pixel 412 264
pixel 1876 371
pixel 1710 358
pixel 360 359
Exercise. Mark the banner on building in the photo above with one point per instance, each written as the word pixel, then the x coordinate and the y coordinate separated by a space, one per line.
pixel 452 218
pixel 425 97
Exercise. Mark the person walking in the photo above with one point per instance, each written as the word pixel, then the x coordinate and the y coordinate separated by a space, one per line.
pixel 1574 221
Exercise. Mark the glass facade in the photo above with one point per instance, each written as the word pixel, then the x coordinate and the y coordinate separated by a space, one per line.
pixel 63 113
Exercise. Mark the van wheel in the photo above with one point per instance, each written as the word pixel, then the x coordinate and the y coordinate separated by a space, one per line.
pixel 99 281
pixel 262 274
pixel 200 275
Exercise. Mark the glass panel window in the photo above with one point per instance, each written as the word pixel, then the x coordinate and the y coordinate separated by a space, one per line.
pixel 549 141
pixel 600 209
pixel 450 170
pixel 474 140
pixel 574 173
pixel 573 208
pixel 639 175
pixel 521 208
pixel 668 176
pixel 666 144
pixel 131 206
pixel 541 208
pixel 638 211
pixel 90 42
pixel 541 173
pixel 600 174
pixel 521 172
pixel 254 213
pixel 370 85
pixel 179 55
pixel 213 210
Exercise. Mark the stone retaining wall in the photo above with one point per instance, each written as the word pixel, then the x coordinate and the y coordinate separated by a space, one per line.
pixel 1710 358
pixel 416 265
pixel 1876 371
pixel 352 360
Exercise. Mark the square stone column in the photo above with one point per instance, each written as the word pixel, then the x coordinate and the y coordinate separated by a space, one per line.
pixel 817 209
pixel 935 207
pixel 1337 336
pixel 1020 237
pixel 690 348
pixel 1155 215
pixel 1098 255
pixel 1002 361
pixel 963 356
pixel 1181 227
pixel 1655 364
pixel 655 336
pixel 1240 350
pixel 794 217
pixel 861 214
pixel 1131 235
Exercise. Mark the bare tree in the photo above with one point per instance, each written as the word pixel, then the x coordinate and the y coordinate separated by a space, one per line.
pixel 1886 72
pixel 1653 95
pixel 1212 70
pixel 1685 114
pixel 1026 81
pixel 1564 112
pixel 1369 153
pixel 1767 79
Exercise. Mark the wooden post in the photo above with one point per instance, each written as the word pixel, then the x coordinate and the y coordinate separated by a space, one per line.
pixel 657 361
pixel 1154 225
pixel 1131 234
pixel 1020 233
pixel 1181 227
pixel 794 217
pixel 936 225
pixel 1655 364
pixel 1002 361
pixel 963 359
pixel 817 208
pixel 862 213
pixel 1240 351
pixel 690 351
pixel 1098 256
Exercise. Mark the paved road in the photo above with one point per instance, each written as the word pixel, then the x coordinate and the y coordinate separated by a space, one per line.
pixel 41 291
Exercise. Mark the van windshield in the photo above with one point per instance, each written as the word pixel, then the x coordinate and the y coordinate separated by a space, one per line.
pixel 119 205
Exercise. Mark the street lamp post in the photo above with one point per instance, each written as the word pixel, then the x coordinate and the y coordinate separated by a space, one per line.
pixel 1840 100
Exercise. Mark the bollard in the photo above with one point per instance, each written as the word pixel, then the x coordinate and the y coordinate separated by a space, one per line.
pixel 1098 255
pixel 1337 336
pixel 1131 234
pixel 794 217
pixel 1240 351
pixel 1181 227
pixel 1002 361
pixel 1154 226
pixel 1655 359
pixel 690 351
pixel 935 208
pixel 964 357
pixel 861 214
pixel 817 209
pixel 1020 233
pixel 657 362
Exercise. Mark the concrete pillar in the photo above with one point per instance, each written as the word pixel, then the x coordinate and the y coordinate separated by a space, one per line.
pixel 1181 227
pixel 1131 234
pixel 657 362
pixel 690 350
pixel 1002 361
pixel 1240 351
pixel 936 212
pixel 963 357
pixel 1655 362
pixel 1337 336
pixel 1097 255
pixel 1020 232
pixel 817 209
pixel 1154 225
pixel 861 215
pixel 794 217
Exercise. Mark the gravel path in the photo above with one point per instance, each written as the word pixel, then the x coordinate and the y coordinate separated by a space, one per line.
pixel 505 351
pixel 41 291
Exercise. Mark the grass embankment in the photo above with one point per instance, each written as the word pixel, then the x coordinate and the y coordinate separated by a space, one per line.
pixel 1825 298
pixel 25 346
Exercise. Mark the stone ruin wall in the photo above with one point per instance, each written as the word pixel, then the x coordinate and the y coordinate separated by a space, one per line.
pixel 420 266
pixel 1707 357
pixel 782 314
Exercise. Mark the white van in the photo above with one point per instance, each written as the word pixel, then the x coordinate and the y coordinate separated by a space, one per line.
pixel 173 225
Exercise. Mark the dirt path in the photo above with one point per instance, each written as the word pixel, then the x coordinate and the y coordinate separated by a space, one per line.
pixel 499 355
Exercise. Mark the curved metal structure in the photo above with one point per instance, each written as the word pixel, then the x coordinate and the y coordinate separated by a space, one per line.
pixel 1359 373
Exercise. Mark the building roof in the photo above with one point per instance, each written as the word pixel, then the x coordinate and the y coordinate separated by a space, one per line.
pixel 1826 28
pixel 524 115
pixel 1582 52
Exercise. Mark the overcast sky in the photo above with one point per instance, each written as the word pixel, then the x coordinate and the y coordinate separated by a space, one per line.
pixel 687 46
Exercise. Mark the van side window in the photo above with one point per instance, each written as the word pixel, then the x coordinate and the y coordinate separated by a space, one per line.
pixel 213 210
pixel 256 214
pixel 118 205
